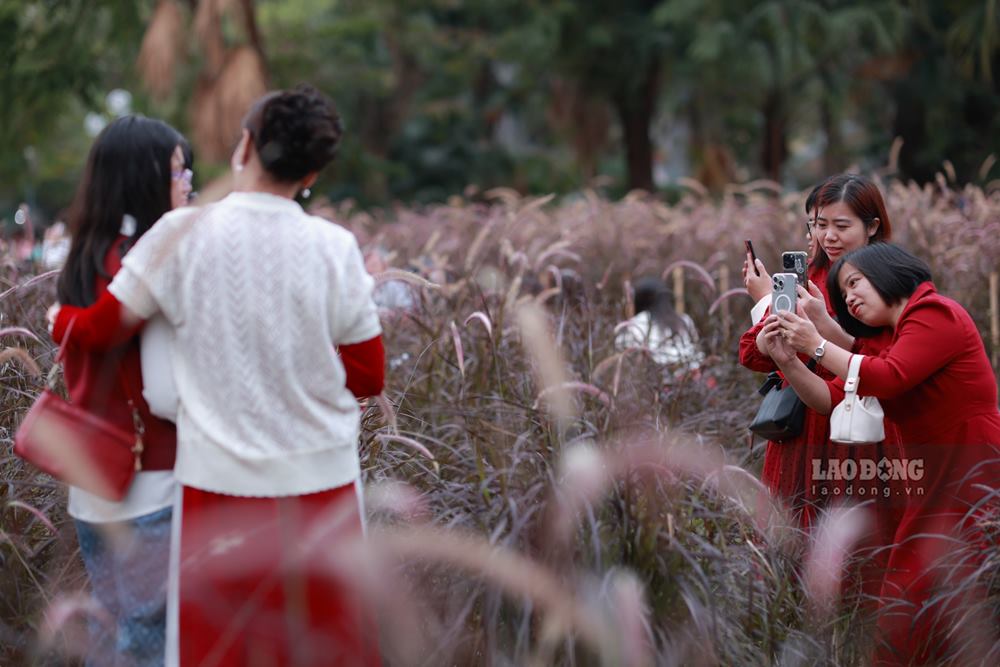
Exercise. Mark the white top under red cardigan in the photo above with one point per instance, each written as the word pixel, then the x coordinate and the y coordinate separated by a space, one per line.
pixel 151 490
pixel 259 293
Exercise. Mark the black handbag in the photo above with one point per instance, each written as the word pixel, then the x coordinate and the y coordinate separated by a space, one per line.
pixel 782 413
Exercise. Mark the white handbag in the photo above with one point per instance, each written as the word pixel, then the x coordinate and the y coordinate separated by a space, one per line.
pixel 856 420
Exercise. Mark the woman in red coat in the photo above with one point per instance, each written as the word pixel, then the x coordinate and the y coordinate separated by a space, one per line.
pixel 849 214
pixel 936 384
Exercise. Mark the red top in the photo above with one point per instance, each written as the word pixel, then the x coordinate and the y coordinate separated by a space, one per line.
pixel 936 383
pixel 103 381
pixel 787 462
pixel 788 465
pixel 756 360
pixel 364 365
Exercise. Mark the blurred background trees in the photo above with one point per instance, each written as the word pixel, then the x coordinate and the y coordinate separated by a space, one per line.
pixel 540 95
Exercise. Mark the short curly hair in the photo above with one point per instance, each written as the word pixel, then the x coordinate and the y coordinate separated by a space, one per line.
pixel 295 132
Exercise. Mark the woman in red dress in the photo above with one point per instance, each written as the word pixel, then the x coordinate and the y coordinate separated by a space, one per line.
pixel 936 384
pixel 849 214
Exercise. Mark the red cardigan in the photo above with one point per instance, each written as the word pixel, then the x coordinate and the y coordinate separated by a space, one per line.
pixel 103 381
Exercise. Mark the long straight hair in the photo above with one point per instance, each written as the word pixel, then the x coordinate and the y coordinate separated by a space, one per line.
pixel 862 196
pixel 127 172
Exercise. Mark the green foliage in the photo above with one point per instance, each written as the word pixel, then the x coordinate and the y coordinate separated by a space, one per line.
pixel 972 36
pixel 412 81
pixel 607 52
pixel 949 102
pixel 439 94
pixel 59 59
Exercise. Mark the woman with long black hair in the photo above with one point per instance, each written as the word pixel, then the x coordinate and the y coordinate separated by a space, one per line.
pixel 137 170
pixel 670 338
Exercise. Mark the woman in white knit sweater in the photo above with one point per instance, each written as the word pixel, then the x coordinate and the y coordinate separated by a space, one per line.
pixel 262 298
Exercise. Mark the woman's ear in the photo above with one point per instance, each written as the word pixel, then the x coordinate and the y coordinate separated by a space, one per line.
pixel 874 227
pixel 241 154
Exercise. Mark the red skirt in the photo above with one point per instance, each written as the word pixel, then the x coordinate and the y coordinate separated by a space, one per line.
pixel 257 586
pixel 789 473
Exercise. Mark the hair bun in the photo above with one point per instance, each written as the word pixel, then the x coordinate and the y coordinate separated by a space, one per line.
pixel 297 132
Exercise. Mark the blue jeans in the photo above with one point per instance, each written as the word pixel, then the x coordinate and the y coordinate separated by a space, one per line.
pixel 129 580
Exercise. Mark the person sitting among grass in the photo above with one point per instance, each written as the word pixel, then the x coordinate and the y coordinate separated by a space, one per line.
pixel 670 337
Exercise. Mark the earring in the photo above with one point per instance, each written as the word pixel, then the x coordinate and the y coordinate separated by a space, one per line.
pixel 239 167
pixel 306 192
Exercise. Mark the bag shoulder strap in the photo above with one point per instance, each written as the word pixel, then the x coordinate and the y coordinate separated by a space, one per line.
pixel 853 372
pixel 773 380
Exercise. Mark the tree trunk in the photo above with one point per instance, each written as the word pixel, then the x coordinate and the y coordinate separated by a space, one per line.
pixel 253 32
pixel 775 149
pixel 834 159
pixel 910 123
pixel 635 109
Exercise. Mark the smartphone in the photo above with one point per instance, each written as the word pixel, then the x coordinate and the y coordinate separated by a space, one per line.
pixel 753 256
pixel 795 262
pixel 783 294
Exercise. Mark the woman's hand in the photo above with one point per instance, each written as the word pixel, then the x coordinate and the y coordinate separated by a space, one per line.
pixel 811 304
pixel 51 314
pixel 776 342
pixel 758 286
pixel 761 342
pixel 800 333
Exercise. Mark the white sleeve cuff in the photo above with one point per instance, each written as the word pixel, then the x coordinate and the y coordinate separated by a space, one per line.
pixel 133 293
pixel 360 320
pixel 757 312
pixel 367 329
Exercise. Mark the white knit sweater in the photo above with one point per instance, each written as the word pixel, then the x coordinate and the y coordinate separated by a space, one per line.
pixel 259 293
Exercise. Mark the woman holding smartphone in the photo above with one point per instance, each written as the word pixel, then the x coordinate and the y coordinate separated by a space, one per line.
pixel 846 212
pixel 936 384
